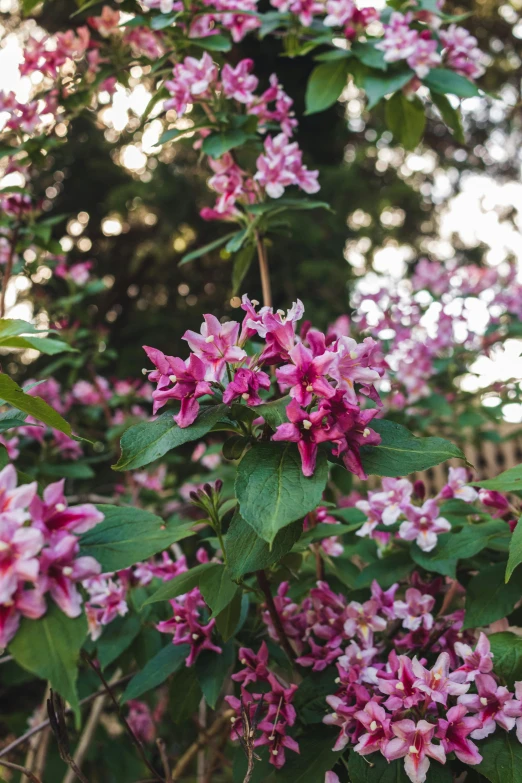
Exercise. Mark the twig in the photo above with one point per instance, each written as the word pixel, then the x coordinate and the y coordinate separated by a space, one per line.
pixel 201 741
pixel 133 737
pixel 45 723
pixel 41 753
pixel 56 711
pixel 164 758
pixel 88 732
pixel 23 770
pixel 264 271
pixel 274 615
pixel 8 269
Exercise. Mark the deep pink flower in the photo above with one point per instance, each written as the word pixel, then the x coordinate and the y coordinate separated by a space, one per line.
pixel 453 731
pixel 61 569
pixel 216 345
pixel 376 722
pixel 23 603
pixel 306 375
pixel 106 602
pixel 494 704
pixel 14 500
pixel 415 611
pixel 307 430
pixel 239 83
pixel 255 665
pixel 493 499
pixel 186 626
pixel 246 384
pixel 414 743
pixel 399 685
pixel 435 682
pixel 18 562
pixel 54 513
pixel 477 661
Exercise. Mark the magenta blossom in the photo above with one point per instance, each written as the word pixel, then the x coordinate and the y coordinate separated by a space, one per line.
pixel 255 665
pixel 398 684
pixel 18 562
pixel 186 626
pixel 477 661
pixel 54 513
pixel 453 732
pixel 435 682
pixel 61 569
pixel 189 384
pixel 457 486
pixel 23 603
pixel 414 743
pixel 415 611
pixel 306 375
pixel 308 430
pixel 246 384
pixel 376 723
pixel 239 83
pixel 423 525
pixel 493 704
pixel 216 345
pixel 354 365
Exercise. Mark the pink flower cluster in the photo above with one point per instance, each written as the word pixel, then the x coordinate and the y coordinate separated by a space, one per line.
pixel 39 551
pixel 188 625
pixel 279 166
pixel 421 50
pixel 324 377
pixel 270 713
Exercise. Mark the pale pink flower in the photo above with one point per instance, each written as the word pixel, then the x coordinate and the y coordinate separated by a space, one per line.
pixel 414 743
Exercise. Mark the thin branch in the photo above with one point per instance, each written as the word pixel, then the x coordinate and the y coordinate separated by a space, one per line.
pixel 23 770
pixel 164 757
pixel 133 737
pixel 201 742
pixel 56 712
pixel 274 615
pixel 69 711
pixel 264 271
pixel 89 730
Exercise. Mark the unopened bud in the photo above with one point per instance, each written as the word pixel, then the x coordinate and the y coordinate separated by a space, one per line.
pixel 419 489
pixel 218 485
pixel 194 497
pixel 207 489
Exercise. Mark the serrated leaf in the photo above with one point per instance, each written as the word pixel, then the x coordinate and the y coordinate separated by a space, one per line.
pixel 129 535
pixel 489 598
pixel 401 453
pixel 150 440
pixel 272 490
pixel 508 481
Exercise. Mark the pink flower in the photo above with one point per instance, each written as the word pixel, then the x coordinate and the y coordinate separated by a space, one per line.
pixel 308 431
pixel 376 722
pixel 461 51
pixel 398 684
pixel 239 83
pixel 356 433
pixel 23 603
pixel 53 512
pixel 415 611
pixel 108 23
pixel 414 743
pixel 281 165
pixel 493 499
pixel 186 626
pixel 478 661
pixel 193 79
pixel 494 704
pixel 453 731
pixel 280 715
pixel 141 721
pixel 216 345
pixel 189 384
pixel 353 365
pixel 246 384
pixel 425 55
pixel 106 602
pixel 423 525
pixel 399 41
pixel 276 329
pixel 435 682
pixel 18 562
pixel 320 656
pixel 255 665
pixel 339 12
pixel 457 486
pixel 61 569
pixel 362 619
pixel 306 375
pixel 14 500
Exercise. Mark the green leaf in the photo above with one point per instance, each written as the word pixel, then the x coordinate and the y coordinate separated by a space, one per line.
pixel 160 21
pixel 227 621
pixel 387 571
pixel 72 470
pixel 34 406
pixel 406 119
pixel 50 648
pixel 116 638
pixel 333 54
pixel 247 552
pixel 274 412
pixel 431 561
pixel 212 669
pixel 176 133
pixel 450 116
pixel 217 144
pixel 442 80
pixel 242 263
pixel 213 43
pixel 217 589
pixel 326 83
pixel 10 419
pixel 166 662
pixel 369 55
pixel 515 550
pixel 508 481
pixel 43 344
pixel 489 598
pixel 271 489
pixel 206 248
pixel 128 535
pixel 310 697
pixel 315 759
pixel 180 584
pixel 507 656
pixel 401 453
pixel 149 440
pixel 471 540
pixel 235 243
pixel 501 758
pixel 377 87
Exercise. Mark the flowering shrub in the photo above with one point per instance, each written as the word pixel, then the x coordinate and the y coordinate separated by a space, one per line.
pixel 235 564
